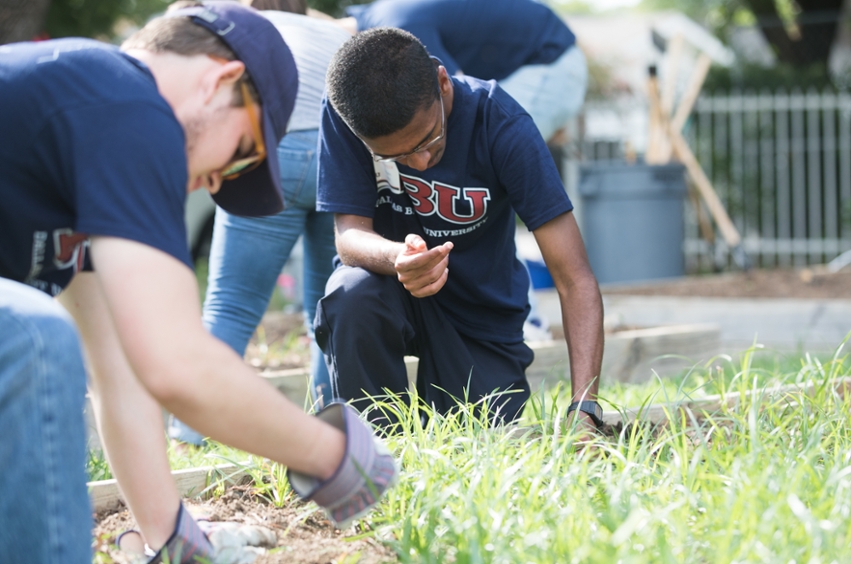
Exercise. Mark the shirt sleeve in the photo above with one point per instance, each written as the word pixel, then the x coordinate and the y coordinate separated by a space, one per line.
pixel 128 162
pixel 346 181
pixel 525 168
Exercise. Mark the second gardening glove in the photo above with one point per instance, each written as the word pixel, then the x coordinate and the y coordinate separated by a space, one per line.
pixel 366 472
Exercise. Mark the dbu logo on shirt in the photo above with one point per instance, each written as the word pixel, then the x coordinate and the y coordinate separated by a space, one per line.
pixel 458 205
pixel 56 257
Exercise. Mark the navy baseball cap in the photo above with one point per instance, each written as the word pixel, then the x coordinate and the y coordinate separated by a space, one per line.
pixel 269 63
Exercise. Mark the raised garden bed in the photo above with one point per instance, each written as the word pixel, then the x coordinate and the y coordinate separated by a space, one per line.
pixel 305 536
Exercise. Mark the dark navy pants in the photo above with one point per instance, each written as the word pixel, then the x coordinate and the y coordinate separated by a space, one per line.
pixel 367 323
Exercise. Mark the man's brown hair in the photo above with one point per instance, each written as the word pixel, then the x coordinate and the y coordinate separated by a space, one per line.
pixel 183 37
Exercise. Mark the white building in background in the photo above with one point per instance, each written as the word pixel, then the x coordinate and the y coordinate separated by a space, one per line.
pixel 623 45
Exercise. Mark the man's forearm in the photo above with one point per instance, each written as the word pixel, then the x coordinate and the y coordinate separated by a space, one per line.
pixel 582 319
pixel 368 250
pixel 216 393
pixel 130 422
pixel 196 376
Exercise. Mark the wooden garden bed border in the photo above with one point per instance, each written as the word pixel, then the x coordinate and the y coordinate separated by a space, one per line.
pixel 658 413
pixel 191 482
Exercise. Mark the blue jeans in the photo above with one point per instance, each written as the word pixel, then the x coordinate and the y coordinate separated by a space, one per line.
pixel 248 254
pixel 368 322
pixel 45 515
pixel 553 93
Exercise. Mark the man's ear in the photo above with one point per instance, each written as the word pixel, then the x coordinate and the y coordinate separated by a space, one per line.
pixel 225 75
pixel 443 79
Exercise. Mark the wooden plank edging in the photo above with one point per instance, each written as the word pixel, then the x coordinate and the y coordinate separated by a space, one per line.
pixel 628 357
pixel 658 413
pixel 105 495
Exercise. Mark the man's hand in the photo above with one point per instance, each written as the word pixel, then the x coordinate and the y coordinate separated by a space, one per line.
pixel 366 472
pixel 586 430
pixel 423 271
pixel 196 541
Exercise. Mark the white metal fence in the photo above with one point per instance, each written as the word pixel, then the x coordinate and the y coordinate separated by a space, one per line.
pixel 780 162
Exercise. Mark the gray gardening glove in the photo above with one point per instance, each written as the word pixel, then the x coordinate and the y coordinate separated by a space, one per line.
pixel 200 542
pixel 366 472
pixel 187 545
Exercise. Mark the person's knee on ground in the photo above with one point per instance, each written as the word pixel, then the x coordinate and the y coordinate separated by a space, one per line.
pixel 363 331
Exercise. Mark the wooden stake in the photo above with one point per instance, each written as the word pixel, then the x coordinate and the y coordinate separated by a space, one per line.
pixel 657 129
pixel 704 222
pixel 686 104
pixel 704 186
pixel 675 51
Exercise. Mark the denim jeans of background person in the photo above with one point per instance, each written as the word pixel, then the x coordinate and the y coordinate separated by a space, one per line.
pixel 248 254
pixel 551 93
pixel 44 508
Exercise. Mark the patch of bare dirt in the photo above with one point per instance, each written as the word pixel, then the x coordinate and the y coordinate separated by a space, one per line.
pixel 810 283
pixel 304 537
pixel 280 342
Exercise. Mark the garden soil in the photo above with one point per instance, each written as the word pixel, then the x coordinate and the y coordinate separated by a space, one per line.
pixel 304 536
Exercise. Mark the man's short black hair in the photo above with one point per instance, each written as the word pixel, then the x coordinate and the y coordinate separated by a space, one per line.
pixel 379 79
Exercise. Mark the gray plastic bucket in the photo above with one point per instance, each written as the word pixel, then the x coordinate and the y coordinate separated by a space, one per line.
pixel 632 220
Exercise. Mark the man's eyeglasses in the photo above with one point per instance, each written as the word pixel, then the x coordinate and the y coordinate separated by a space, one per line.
pixel 427 145
pixel 241 166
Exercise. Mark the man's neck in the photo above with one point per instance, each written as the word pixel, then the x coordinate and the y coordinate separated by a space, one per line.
pixel 178 77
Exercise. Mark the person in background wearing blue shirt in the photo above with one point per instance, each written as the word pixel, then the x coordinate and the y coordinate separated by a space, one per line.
pixel 248 253
pixel 99 147
pixel 424 172
pixel 522 44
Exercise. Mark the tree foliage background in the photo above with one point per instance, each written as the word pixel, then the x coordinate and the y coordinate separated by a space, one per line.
pixel 22 20
pixel 96 18
pixel 800 32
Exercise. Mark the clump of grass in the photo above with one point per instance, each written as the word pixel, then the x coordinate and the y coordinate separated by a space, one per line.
pixel 715 376
pixel 97 466
pixel 765 481
pixel 268 479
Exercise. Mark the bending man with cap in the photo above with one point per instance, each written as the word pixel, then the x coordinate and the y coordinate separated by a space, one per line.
pixel 99 148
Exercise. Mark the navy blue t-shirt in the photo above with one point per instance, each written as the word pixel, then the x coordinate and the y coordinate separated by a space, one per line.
pixel 495 163
pixel 488 39
pixel 87 147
